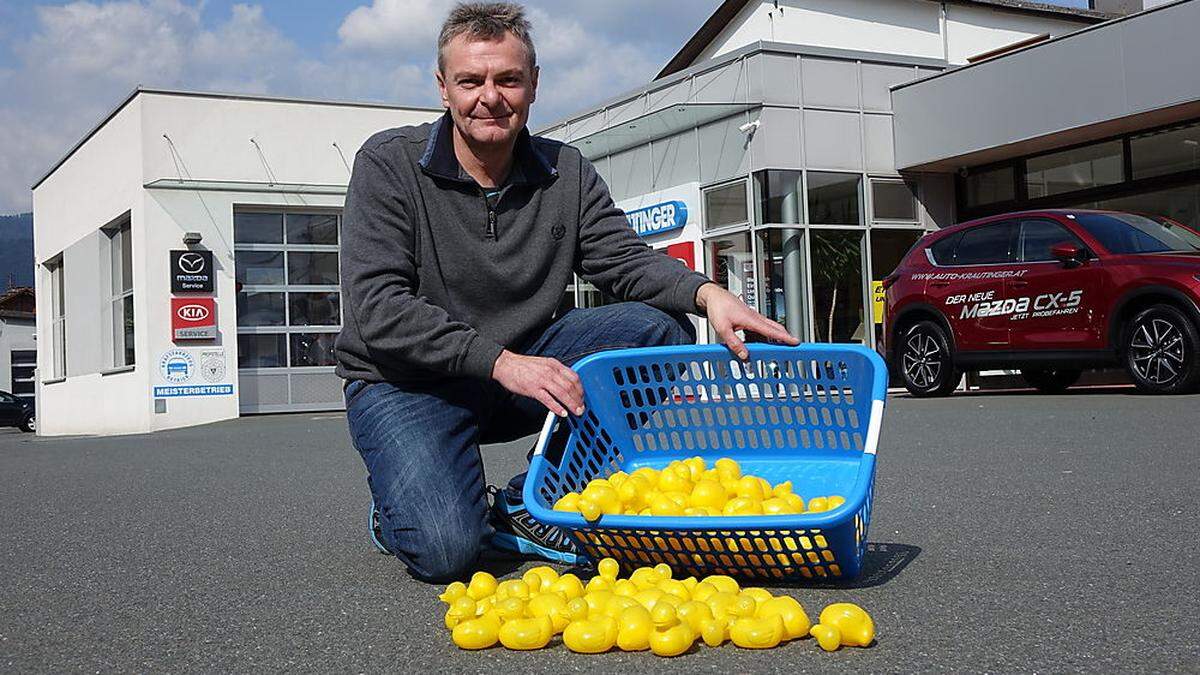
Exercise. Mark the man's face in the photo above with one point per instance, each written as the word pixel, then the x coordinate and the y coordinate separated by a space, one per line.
pixel 488 87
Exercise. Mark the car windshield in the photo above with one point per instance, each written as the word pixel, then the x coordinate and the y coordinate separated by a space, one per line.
pixel 1128 233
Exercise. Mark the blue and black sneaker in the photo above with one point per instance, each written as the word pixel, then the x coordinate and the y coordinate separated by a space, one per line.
pixel 376 529
pixel 517 531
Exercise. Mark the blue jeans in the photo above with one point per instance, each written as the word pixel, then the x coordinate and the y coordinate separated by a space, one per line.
pixel 420 443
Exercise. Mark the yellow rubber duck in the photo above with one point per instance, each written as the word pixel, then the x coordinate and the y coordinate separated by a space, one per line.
pixel 757 633
pixel 526 634
pixel 482 585
pixel 790 611
pixel 591 636
pixel 634 627
pixel 855 625
pixel 476 634
pixel 673 641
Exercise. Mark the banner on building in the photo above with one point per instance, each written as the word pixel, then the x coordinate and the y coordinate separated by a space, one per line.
pixel 191 272
pixel 193 319
pixel 201 371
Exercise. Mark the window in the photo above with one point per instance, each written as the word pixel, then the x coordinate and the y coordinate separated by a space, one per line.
pixel 990 186
pixel 58 320
pixel 725 205
pixel 24 362
pixel 730 263
pixel 288 302
pixel 262 351
pixel 1180 203
pixel 985 245
pixel 120 298
pixel 837 286
pixel 1165 151
pixel 780 195
pixel 893 200
pixel 782 265
pixel 943 249
pixel 1127 233
pixel 834 198
pixel 1075 169
pixel 1036 238
pixel 889 246
pixel 258 228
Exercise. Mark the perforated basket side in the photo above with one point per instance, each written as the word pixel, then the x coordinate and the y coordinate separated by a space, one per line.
pixel 777 555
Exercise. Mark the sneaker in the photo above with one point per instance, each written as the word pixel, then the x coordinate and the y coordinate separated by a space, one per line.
pixel 375 527
pixel 516 530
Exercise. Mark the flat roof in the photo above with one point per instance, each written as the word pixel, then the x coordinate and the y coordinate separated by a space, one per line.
pixel 218 95
pixel 760 46
pixel 1036 45
pixel 726 12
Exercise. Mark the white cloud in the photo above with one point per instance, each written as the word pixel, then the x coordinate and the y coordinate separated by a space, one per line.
pixel 85 56
pixel 394 25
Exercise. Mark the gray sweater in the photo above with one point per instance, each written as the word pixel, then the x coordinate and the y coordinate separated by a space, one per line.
pixel 435 281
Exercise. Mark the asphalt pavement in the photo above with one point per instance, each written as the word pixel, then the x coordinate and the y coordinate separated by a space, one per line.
pixel 1011 532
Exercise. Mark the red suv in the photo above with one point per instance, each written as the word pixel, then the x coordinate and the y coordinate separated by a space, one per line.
pixel 1049 293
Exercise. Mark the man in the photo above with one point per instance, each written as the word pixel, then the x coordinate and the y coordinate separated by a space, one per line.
pixel 459 238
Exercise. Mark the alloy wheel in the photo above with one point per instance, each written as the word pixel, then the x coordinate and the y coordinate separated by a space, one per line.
pixel 922 360
pixel 1157 351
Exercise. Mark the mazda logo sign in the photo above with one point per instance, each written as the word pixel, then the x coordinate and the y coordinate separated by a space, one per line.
pixel 191 263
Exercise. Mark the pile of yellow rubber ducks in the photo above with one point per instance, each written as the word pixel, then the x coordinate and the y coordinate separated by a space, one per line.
pixel 648 610
pixel 689 487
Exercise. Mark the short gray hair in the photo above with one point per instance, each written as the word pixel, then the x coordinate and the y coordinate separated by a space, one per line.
pixel 486 21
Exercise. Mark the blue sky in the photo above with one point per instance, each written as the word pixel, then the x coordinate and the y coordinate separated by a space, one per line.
pixel 63 65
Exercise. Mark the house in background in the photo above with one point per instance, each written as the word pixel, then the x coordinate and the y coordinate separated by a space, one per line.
pixel 18 351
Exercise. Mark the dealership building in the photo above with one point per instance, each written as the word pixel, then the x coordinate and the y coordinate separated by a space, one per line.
pixel 187 247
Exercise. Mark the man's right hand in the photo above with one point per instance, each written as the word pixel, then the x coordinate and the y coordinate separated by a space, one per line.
pixel 545 379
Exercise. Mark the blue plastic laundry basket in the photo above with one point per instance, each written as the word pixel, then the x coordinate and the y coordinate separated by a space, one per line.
pixel 809 414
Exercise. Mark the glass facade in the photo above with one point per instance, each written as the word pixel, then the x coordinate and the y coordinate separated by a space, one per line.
pixel 810 258
pixel 837 286
pixel 288 301
pixel 1154 172
pixel 795 193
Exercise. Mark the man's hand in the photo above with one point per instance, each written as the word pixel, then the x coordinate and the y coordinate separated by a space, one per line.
pixel 727 314
pixel 547 380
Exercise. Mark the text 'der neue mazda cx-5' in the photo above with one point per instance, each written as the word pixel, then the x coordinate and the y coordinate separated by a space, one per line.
pixel 1049 293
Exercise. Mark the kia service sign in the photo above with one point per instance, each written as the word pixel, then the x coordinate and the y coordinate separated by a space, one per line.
pixel 191 272
pixel 193 319
pixel 658 218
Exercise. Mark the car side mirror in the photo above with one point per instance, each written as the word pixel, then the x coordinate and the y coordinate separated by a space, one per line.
pixel 1068 254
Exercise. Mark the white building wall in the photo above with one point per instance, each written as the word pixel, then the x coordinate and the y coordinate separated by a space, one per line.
pixel 104 179
pixel 908 27
pixel 212 137
pixel 971 31
pixel 98 183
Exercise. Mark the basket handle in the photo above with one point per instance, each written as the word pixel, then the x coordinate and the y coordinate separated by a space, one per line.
pixel 552 442
pixel 873 426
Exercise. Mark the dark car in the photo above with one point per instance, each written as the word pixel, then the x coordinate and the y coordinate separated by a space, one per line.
pixel 17 412
pixel 1049 293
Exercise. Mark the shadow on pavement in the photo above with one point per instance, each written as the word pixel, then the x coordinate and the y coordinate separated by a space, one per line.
pixel 1098 390
pixel 882 563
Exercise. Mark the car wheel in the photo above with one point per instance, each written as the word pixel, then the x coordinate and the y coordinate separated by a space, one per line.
pixel 926 364
pixel 28 424
pixel 1162 351
pixel 1050 380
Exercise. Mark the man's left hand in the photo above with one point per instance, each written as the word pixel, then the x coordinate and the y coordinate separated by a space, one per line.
pixel 727 314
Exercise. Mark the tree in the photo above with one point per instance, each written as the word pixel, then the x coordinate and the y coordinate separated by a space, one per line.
pixel 840 259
